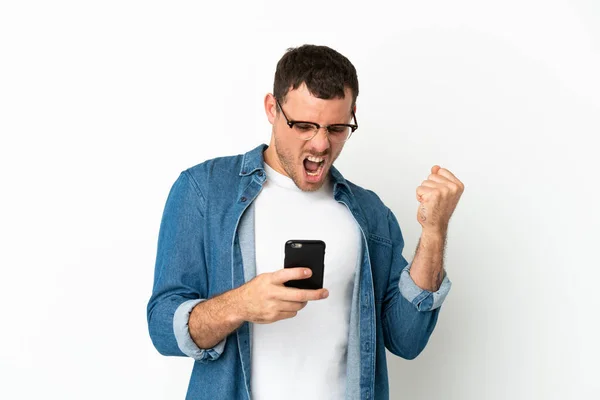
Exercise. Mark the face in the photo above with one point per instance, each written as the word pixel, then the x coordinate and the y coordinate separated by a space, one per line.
pixel 287 154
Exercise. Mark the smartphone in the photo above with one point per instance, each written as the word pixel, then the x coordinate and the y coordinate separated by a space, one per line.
pixel 308 254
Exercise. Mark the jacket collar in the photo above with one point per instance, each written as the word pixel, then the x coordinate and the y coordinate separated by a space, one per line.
pixel 338 180
pixel 253 161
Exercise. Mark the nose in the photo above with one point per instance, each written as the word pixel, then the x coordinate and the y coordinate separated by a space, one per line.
pixel 320 142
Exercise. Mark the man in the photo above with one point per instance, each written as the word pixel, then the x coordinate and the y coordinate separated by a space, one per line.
pixel 219 294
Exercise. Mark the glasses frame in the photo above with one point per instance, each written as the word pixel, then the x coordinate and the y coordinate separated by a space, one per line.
pixel 291 123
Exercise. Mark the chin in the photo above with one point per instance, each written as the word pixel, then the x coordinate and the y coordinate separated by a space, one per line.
pixel 311 182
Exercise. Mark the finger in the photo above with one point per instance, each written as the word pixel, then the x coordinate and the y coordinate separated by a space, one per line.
pixel 287 314
pixel 438 178
pixel 423 192
pixel 292 306
pixel 435 169
pixel 302 295
pixel 445 184
pixel 290 274
pixel 429 183
pixel 425 188
pixel 449 175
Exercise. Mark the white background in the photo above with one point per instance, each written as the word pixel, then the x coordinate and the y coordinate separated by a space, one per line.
pixel 102 104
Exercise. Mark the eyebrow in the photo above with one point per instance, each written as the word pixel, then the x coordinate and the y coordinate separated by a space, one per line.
pixel 297 121
pixel 315 123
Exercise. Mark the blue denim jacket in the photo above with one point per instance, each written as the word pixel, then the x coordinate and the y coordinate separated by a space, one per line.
pixel 206 247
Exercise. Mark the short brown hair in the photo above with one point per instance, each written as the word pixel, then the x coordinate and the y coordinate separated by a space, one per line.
pixel 325 72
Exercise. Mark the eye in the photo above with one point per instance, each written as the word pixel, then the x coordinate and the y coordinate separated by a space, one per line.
pixel 338 129
pixel 303 127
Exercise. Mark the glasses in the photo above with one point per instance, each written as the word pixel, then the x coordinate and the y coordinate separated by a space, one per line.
pixel 307 130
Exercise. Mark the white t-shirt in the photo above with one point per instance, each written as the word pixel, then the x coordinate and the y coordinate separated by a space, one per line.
pixel 304 357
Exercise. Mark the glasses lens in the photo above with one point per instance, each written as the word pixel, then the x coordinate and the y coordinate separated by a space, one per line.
pixel 339 133
pixel 305 130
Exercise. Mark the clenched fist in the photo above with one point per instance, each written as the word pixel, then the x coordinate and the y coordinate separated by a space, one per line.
pixel 438 196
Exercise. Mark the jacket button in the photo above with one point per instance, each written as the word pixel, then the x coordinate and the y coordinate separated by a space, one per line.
pixel 243 199
pixel 260 173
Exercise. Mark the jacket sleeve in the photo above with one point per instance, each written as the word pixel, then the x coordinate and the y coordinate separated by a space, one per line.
pixel 180 275
pixel 184 339
pixel 409 312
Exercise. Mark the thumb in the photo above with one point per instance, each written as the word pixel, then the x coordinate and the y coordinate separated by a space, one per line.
pixel 290 274
pixel 435 169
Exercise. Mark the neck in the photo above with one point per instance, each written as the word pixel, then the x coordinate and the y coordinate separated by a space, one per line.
pixel 271 159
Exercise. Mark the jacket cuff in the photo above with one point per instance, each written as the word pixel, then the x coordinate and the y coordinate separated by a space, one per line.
pixel 423 300
pixel 184 340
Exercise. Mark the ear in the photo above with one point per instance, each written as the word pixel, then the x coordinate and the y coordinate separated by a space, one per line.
pixel 270 108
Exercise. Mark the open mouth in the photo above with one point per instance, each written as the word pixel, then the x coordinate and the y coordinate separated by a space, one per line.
pixel 314 167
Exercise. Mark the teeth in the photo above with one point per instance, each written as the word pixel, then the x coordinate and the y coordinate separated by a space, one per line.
pixel 317 172
pixel 315 159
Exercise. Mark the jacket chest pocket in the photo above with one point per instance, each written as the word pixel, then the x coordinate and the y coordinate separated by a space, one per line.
pixel 380 253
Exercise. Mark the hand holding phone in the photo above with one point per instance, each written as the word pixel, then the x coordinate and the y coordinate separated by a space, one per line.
pixel 264 299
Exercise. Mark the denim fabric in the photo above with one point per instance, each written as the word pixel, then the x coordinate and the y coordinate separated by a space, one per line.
pixel 205 248
pixel 184 340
